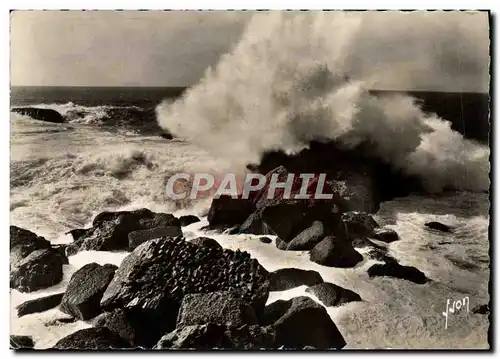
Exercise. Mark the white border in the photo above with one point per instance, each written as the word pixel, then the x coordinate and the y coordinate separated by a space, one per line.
pixel 186 4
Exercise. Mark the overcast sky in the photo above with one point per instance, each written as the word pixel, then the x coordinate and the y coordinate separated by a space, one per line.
pixel 133 48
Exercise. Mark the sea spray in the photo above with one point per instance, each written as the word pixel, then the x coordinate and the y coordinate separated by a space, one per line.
pixel 294 78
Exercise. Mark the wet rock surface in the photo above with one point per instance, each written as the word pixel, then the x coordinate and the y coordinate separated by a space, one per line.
pixel 332 295
pixel 187 220
pixel 99 338
pixel 85 289
pixel 288 278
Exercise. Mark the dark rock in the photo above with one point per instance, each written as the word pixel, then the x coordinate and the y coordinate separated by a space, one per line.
pixel 363 242
pixel 380 254
pixel 61 249
pixel 61 321
pixel 385 235
pixel 481 309
pixel 308 238
pixel 39 270
pixel 289 218
pixel 210 336
pixel 438 226
pixel 331 252
pixel 332 295
pixel 187 220
pixel 224 308
pixel 110 230
pixel 85 290
pixel 39 304
pixel 23 242
pixel 124 324
pixel 288 278
pixel 21 342
pixel 254 224
pixel 155 277
pixel 206 242
pixel 167 136
pixel 226 212
pixel 265 240
pixel 358 224
pixel 462 264
pixel 42 114
pixel 396 270
pixel 136 238
pixel 92 339
pixel 78 233
pixel 302 322
pixel 280 244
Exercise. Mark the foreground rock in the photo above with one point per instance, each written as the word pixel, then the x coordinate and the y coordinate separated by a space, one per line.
pixel 39 304
pixel 385 235
pixel 438 226
pixel 224 308
pixel 152 281
pixel 308 238
pixel 42 114
pixel 23 242
pixel 136 238
pixel 92 339
pixel 213 336
pixel 302 322
pixel 123 323
pixel 396 270
pixel 332 252
pixel 18 342
pixel 332 295
pixel 288 278
pixel 41 269
pixel 110 230
pixel 85 290
pixel 206 242
pixel 187 220
pixel 358 224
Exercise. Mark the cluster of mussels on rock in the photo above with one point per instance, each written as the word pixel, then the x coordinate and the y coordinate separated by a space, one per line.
pixel 169 293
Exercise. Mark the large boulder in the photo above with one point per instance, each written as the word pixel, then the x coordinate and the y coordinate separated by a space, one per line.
pixel 396 270
pixel 23 242
pixel 41 269
pixel 254 224
pixel 99 338
pixel 288 278
pixel 302 322
pixel 136 238
pixel 308 238
pixel 155 277
pixel 125 324
pixel 332 295
pixel 358 224
pixel 206 242
pixel 187 220
pixel 224 308
pixel 227 212
pixel 332 252
pixel 438 226
pixel 213 336
pixel 110 230
pixel 20 342
pixel 39 304
pixel 386 235
pixel 42 114
pixel 85 289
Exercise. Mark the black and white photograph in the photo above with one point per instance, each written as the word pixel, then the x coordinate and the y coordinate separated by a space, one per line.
pixel 250 180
